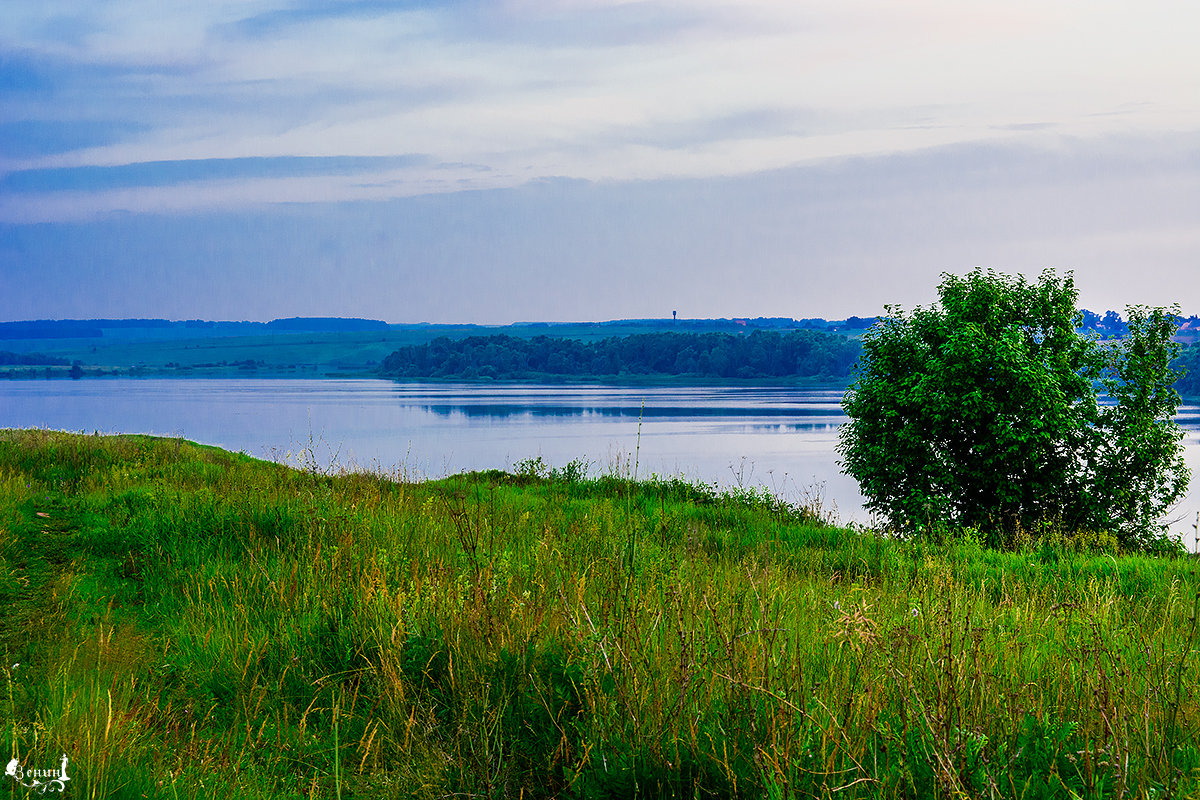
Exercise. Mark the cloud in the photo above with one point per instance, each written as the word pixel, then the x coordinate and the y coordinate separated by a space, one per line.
pixel 591 89
pixel 831 239
pixel 31 138
pixel 166 173
pixel 20 74
pixel 273 22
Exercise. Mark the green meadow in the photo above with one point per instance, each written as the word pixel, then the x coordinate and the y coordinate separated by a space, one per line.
pixel 184 622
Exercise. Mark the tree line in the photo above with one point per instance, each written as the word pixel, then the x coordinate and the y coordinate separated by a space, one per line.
pixel 94 328
pixel 8 358
pixel 1188 361
pixel 1113 325
pixel 709 356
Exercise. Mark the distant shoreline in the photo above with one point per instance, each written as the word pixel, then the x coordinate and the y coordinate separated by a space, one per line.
pixel 272 352
pixel 59 373
pixel 648 382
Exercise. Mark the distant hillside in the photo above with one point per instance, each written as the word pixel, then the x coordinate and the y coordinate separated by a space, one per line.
pixel 98 328
pixel 51 329
pixel 326 324
pixel 332 346
pixel 729 324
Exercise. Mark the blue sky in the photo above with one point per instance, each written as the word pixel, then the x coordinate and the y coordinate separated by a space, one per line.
pixel 589 159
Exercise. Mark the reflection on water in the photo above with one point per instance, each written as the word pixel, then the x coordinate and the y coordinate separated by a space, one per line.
pixel 780 438
pixel 791 427
pixel 504 410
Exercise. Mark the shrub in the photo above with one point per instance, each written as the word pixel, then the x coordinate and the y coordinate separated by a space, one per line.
pixel 987 412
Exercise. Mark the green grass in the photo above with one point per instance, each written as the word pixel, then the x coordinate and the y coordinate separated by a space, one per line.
pixel 194 623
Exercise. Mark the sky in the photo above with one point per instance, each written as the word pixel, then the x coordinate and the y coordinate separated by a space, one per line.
pixel 575 160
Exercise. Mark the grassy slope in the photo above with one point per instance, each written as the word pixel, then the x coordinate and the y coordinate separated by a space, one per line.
pixel 193 623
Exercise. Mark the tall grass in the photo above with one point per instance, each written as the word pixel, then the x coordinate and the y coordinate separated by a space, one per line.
pixel 193 623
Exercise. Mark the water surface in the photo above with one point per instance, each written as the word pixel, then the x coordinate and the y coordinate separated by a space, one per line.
pixel 780 438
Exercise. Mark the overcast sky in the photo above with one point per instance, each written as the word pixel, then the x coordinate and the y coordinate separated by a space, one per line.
pixel 589 159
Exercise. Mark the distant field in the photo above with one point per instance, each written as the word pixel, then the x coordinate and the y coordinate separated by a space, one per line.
pixel 226 351
pixel 213 353
pixel 290 353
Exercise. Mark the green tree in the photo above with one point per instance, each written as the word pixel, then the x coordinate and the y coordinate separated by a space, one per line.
pixel 987 412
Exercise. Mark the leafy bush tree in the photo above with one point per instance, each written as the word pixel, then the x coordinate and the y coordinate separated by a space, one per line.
pixel 988 412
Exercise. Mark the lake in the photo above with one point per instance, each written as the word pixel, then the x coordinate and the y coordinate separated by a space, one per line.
pixel 779 438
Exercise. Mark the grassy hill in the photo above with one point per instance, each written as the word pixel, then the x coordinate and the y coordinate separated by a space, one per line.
pixel 185 622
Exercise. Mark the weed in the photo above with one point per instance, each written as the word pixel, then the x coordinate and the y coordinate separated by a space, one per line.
pixel 194 623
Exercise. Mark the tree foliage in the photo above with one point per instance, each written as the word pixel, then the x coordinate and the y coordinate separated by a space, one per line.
pixel 710 356
pixel 30 359
pixel 988 412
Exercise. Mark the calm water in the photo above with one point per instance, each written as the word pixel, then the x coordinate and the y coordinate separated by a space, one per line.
pixel 782 439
